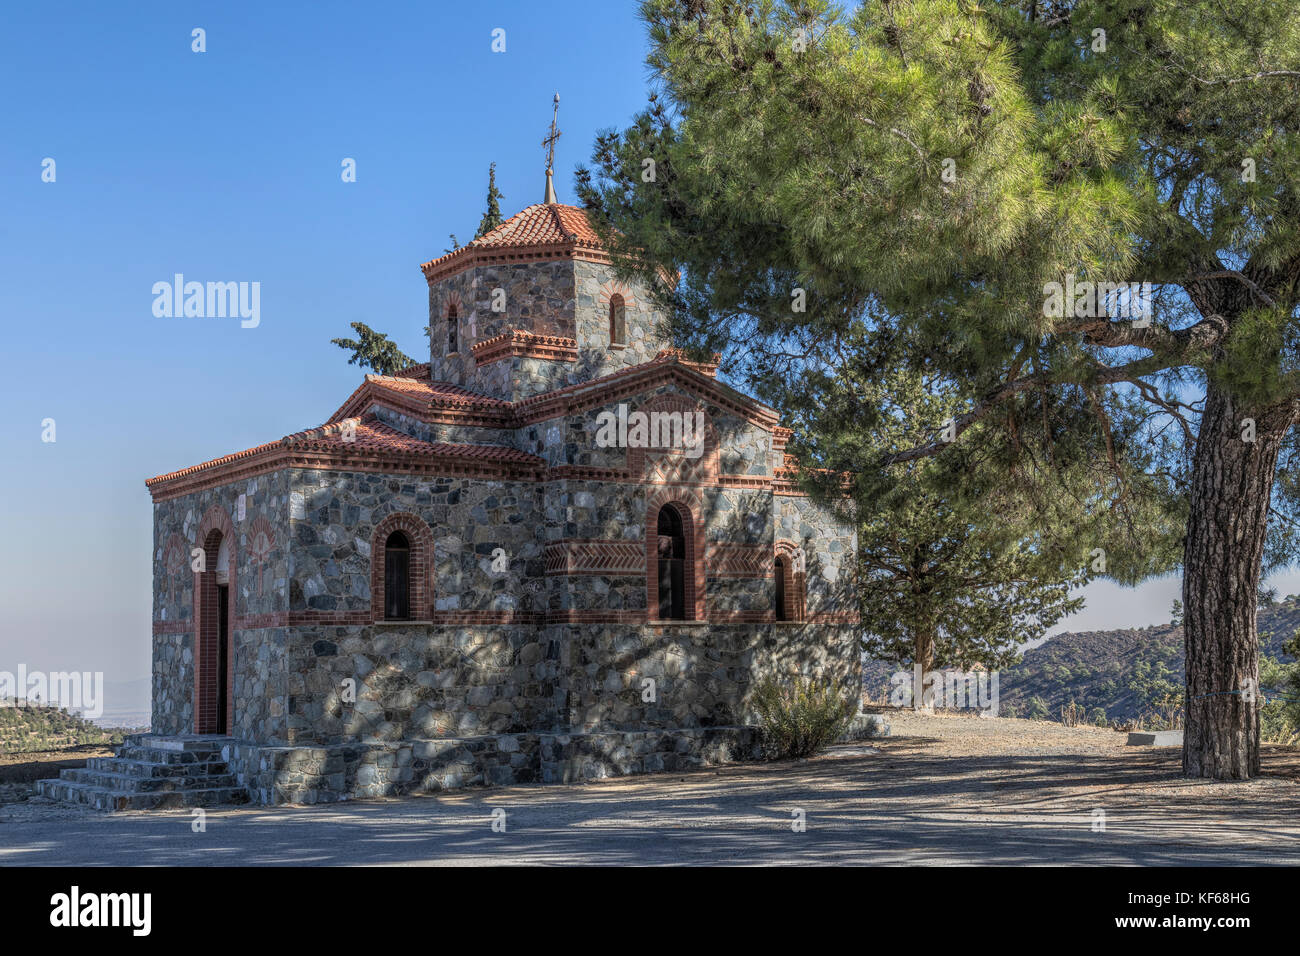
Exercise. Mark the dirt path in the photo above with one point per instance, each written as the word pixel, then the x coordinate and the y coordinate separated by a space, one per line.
pixel 942 791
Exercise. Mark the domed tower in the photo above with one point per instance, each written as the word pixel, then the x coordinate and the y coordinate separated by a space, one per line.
pixel 534 305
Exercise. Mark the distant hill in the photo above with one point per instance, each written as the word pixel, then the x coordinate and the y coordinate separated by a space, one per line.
pixel 39 727
pixel 1118 674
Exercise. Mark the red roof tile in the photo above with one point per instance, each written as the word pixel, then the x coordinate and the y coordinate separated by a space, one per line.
pixel 369 437
pixel 374 436
pixel 444 393
pixel 539 226
pixel 419 370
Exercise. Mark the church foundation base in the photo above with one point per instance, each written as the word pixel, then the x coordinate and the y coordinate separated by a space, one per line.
pixel 309 774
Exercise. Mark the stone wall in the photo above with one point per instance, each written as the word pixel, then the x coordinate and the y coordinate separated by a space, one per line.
pixel 334 515
pixel 828 547
pixel 646 334
pixel 309 774
pixel 261 559
pixel 420 681
pixel 567 299
pixel 539 298
pixel 704 675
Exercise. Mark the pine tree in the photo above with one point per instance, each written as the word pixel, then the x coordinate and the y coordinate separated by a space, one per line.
pixel 374 350
pixel 937 586
pixel 969 175
pixel 492 215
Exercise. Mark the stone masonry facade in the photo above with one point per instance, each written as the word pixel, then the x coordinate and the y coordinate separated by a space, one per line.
pixel 530 644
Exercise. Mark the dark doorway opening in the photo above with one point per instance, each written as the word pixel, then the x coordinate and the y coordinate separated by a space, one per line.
pixel 672 565
pixel 223 657
pixel 397 577
pixel 780 589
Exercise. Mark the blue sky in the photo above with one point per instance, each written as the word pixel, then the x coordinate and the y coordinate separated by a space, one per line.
pixel 225 166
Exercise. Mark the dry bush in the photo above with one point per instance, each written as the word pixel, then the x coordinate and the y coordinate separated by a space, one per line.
pixel 802 717
pixel 1072 714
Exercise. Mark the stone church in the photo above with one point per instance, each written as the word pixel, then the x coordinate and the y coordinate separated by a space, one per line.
pixel 452 581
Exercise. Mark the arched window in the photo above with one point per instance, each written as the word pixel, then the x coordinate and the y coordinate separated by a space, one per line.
pixel 781 614
pixel 397 577
pixel 789 581
pixel 453 322
pixel 672 565
pixel 617 321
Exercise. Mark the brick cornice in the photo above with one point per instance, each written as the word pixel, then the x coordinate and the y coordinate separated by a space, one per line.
pixel 471 256
pixel 278 458
pixel 520 343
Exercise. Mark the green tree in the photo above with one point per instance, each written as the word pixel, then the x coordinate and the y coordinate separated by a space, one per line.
pixel 492 215
pixel 952 171
pixel 374 350
pixel 936 586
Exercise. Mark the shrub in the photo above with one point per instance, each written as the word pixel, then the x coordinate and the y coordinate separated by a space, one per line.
pixel 801 718
pixel 1279 718
pixel 1165 714
pixel 1072 714
pixel 1036 709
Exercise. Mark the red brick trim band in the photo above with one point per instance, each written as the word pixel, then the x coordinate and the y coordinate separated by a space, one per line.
pixel 739 561
pixel 588 556
pixel 519 343
pixel 499 618
pixel 477 256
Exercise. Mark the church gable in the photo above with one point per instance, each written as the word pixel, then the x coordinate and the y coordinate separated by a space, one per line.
pixel 665 433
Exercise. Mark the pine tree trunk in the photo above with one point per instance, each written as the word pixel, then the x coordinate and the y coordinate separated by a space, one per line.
pixel 1232 481
pixel 924 656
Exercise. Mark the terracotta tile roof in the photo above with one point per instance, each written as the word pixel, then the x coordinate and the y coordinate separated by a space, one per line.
pixel 375 436
pixel 223 460
pixel 416 396
pixel 419 370
pixel 542 226
pixel 370 437
pixel 444 393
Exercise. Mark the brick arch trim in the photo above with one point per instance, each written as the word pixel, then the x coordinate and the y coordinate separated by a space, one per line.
pixel 687 506
pixel 451 298
pixel 612 288
pixel 419 534
pixel 796 584
pixel 215 527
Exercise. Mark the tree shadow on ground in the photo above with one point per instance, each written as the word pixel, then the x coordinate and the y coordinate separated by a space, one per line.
pixel 891 808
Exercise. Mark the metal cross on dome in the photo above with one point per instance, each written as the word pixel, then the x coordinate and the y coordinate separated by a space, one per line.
pixel 549 143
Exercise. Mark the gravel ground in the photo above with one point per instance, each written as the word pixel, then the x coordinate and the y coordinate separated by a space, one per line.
pixel 941 791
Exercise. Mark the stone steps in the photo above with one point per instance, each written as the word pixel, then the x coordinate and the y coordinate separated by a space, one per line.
pixel 147 768
pixel 151 773
pixel 109 780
